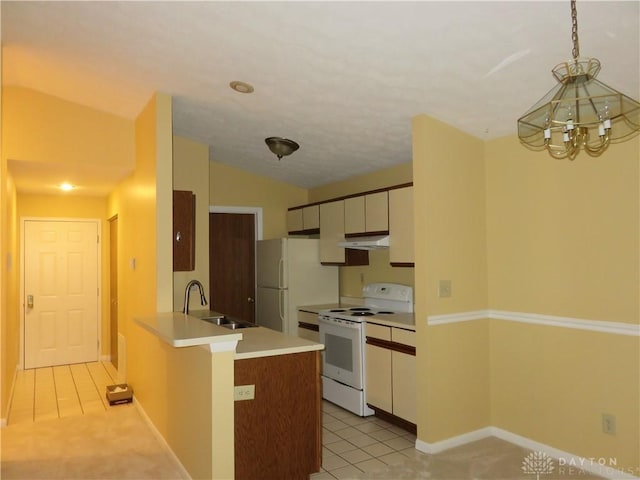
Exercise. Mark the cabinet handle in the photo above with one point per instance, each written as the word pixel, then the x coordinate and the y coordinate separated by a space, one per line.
pixel 178 236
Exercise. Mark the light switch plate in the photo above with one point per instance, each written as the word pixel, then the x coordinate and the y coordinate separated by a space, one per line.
pixel 444 288
pixel 244 392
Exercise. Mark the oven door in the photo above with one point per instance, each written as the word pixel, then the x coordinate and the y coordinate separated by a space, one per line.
pixel 342 355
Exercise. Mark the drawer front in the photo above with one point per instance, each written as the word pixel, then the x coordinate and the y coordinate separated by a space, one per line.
pixel 404 337
pixel 378 331
pixel 308 317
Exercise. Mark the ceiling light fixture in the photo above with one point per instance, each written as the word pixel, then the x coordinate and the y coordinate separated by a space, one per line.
pixel 281 146
pixel 580 111
pixel 67 187
pixel 241 87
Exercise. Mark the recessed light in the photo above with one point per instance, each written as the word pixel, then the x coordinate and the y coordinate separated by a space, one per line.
pixel 66 187
pixel 241 87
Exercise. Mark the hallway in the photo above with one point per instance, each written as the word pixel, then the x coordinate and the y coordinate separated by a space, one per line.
pixel 60 392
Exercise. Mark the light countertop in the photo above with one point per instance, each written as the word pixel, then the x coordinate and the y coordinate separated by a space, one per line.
pixel 180 330
pixel 397 320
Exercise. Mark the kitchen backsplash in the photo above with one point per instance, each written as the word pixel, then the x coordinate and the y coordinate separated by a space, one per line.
pixel 352 279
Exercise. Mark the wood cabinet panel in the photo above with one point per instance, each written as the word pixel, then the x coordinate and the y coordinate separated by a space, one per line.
pixel 184 231
pixel 278 434
pixel 401 242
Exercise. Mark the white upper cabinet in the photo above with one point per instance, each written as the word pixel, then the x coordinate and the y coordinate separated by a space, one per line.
pixel 401 244
pixel 304 219
pixel 367 213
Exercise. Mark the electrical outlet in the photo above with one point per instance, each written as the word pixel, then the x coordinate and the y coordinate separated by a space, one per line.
pixel 609 423
pixel 444 288
pixel 244 392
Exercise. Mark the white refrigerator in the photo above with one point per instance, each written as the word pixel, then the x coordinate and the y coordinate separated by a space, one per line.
pixel 289 275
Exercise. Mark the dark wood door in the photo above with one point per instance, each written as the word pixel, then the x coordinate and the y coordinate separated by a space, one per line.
pixel 232 264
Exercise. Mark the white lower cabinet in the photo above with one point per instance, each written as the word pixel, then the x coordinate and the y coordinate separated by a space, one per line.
pixel 391 371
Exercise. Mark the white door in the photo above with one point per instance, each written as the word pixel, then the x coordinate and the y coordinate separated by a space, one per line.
pixel 60 292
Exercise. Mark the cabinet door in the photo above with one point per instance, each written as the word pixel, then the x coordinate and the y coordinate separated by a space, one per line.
pixel 401 226
pixel 404 376
pixel 311 217
pixel 294 220
pixel 184 235
pixel 404 386
pixel 354 216
pixel 378 377
pixel 332 232
pixel 377 212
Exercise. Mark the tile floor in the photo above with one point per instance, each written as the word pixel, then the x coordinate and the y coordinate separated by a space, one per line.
pixel 60 392
pixel 354 445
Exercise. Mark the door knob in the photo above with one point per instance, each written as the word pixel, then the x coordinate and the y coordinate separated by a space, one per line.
pixel 250 300
pixel 29 301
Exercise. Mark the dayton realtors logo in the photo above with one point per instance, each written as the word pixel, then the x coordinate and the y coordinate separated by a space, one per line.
pixel 537 463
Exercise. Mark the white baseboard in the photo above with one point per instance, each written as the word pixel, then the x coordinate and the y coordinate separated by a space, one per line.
pixel 4 421
pixel 566 460
pixel 161 439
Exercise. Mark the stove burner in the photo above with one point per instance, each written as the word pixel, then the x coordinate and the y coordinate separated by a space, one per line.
pixel 338 310
pixel 385 312
pixel 360 313
pixel 359 309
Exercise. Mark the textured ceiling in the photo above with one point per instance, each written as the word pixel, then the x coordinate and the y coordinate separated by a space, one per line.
pixel 343 79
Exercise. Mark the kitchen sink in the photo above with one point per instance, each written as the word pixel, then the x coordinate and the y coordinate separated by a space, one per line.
pixel 232 323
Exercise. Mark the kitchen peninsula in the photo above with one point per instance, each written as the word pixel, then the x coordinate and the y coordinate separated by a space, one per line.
pixel 276 415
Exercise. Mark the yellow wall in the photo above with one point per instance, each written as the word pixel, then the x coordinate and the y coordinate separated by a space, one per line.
pixel 563 240
pixel 9 284
pixel 51 130
pixel 191 172
pixel 74 206
pixel 362 183
pixel 453 360
pixel 231 186
pixel 175 387
pixel 563 236
pixel 41 128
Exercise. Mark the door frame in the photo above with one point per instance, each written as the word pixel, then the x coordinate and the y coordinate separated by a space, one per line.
pixel 257 217
pixel 23 221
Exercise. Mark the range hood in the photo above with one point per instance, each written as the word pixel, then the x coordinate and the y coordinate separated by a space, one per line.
pixel 366 243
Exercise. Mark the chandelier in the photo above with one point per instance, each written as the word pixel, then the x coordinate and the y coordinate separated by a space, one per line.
pixel 580 112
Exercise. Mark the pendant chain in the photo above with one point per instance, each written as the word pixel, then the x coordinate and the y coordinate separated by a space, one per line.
pixel 574 30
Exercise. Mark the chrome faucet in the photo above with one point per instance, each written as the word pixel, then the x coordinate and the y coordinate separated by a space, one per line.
pixel 187 291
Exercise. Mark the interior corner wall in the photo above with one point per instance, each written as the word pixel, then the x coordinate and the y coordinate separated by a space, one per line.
pixel 9 293
pixel 450 233
pixel 231 186
pixel 191 173
pixel 563 240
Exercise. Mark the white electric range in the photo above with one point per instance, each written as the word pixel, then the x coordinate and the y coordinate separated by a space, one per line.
pixel 342 333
